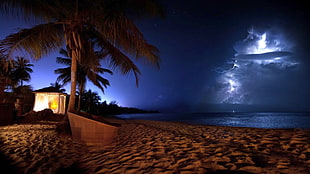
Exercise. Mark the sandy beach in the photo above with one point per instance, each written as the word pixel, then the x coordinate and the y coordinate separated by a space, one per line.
pixel 156 147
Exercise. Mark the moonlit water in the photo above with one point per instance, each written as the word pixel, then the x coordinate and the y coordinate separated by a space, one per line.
pixel 242 119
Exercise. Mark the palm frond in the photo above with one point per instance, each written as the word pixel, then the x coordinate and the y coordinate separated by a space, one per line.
pixel 116 58
pixel 29 70
pixel 64 75
pixel 104 70
pixel 97 80
pixel 103 81
pixel 90 58
pixel 62 70
pixel 64 52
pixel 83 71
pixel 64 61
pixel 35 42
pixel 40 9
pixel 125 35
pixel 119 60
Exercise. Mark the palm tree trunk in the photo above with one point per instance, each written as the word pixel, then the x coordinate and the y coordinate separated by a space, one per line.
pixel 79 103
pixel 74 44
pixel 71 106
pixel 81 90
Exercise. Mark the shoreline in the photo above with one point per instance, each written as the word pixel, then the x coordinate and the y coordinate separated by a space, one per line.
pixel 267 120
pixel 144 146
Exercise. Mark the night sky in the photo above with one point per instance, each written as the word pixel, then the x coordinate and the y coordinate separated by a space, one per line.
pixel 215 56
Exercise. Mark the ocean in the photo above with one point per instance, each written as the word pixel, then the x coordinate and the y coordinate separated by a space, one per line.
pixel 235 119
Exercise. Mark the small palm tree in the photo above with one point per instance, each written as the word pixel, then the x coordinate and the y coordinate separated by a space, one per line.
pixel 21 71
pixel 58 86
pixel 6 66
pixel 85 27
pixel 90 100
pixel 90 71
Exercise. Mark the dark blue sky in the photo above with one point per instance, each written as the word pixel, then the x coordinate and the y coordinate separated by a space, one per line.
pixel 195 39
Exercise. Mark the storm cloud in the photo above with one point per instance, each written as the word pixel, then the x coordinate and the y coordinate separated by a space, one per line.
pixel 258 71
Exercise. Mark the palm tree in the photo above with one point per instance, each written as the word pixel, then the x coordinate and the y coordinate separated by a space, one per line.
pixel 85 27
pixel 90 100
pixel 21 70
pixel 89 70
pixel 58 86
pixel 5 79
pixel 6 66
pixel 14 72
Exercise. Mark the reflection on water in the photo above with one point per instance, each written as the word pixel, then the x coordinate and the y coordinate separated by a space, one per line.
pixel 256 120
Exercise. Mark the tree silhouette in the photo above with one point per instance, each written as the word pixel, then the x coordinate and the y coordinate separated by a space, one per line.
pixel 90 101
pixel 90 71
pixel 21 70
pixel 86 27
pixel 58 87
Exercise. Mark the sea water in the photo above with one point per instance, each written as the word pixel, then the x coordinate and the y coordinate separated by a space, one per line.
pixel 234 119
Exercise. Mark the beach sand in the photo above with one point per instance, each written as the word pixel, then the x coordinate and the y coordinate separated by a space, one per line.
pixel 156 147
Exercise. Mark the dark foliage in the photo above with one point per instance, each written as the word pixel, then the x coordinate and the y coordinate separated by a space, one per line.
pixel 114 109
pixel 44 115
pixel 90 103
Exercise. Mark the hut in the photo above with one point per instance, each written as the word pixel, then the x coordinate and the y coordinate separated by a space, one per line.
pixel 50 98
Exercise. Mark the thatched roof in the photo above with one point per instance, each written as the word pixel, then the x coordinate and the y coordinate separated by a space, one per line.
pixel 49 89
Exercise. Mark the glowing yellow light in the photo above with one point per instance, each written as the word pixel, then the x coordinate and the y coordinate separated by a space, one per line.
pixel 54 105
pixel 53 101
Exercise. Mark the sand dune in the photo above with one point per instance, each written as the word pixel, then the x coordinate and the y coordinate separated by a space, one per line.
pixel 159 147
